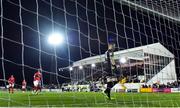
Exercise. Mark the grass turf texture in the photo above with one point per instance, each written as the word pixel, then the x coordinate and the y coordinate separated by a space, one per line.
pixel 89 99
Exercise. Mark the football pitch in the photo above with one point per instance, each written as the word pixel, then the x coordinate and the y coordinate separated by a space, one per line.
pixel 89 99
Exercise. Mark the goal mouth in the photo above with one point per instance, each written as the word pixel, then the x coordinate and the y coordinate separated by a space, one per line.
pixel 89 53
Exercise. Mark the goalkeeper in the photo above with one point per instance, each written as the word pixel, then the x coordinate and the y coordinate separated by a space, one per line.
pixel 111 69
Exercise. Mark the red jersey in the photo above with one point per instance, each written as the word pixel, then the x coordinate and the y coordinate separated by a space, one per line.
pixel 24 83
pixel 11 80
pixel 37 76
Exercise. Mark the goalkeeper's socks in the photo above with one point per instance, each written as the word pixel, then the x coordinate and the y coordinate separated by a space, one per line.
pixel 109 93
pixel 105 93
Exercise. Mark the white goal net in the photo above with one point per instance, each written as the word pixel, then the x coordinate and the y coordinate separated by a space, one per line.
pixel 146 54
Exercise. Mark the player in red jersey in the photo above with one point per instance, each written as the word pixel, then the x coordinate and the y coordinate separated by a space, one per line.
pixel 37 82
pixel 24 86
pixel 11 82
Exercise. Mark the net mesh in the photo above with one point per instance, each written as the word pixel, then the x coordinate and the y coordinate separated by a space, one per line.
pixel 146 34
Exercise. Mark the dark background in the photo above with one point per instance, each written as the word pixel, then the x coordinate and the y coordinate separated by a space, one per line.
pixel 86 24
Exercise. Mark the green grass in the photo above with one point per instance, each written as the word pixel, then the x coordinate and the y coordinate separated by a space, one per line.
pixel 89 99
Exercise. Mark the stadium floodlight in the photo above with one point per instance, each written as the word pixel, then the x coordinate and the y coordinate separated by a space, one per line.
pixel 93 65
pixel 80 67
pixel 122 60
pixel 70 68
pixel 55 39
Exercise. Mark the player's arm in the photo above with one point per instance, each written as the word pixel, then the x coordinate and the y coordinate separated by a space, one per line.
pixel 34 75
pixel 9 80
pixel 40 75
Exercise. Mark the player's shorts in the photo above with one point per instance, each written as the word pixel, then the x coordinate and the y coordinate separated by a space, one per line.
pixel 11 85
pixel 36 83
pixel 23 87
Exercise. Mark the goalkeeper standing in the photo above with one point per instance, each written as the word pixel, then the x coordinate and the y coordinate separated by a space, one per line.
pixel 110 68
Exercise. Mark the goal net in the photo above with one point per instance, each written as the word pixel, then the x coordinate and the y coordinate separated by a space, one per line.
pixel 146 54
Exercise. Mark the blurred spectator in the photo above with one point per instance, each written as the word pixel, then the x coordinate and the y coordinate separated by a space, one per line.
pixel 174 84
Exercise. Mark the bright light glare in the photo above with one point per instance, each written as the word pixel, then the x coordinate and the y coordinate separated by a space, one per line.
pixel 80 67
pixel 93 65
pixel 123 60
pixel 55 39
pixel 71 68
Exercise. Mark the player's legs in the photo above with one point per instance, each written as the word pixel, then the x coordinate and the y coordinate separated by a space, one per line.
pixel 23 89
pixel 109 87
pixel 9 88
pixel 35 88
pixel 39 87
pixel 12 88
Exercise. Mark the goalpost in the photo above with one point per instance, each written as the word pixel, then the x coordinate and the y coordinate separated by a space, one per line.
pixel 85 26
